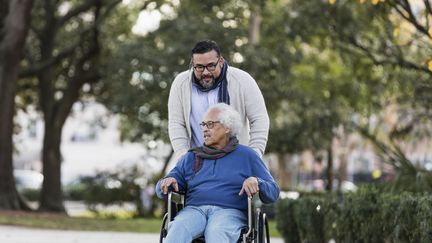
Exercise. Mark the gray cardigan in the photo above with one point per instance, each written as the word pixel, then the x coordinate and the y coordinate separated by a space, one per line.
pixel 245 97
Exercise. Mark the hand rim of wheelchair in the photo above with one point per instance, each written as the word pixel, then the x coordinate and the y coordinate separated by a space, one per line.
pixel 253 234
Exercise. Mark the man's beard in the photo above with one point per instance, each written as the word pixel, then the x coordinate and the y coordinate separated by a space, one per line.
pixel 206 84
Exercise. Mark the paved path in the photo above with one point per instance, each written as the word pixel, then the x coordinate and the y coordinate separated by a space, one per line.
pixel 14 234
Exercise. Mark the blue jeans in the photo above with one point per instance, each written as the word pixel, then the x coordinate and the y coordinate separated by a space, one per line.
pixel 215 223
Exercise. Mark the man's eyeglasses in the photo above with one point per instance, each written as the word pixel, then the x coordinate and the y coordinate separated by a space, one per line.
pixel 210 67
pixel 209 124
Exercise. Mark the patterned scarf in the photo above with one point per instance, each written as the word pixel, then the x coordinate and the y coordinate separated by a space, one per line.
pixel 206 152
pixel 223 95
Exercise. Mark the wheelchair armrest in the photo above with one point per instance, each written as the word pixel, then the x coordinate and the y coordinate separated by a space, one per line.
pixel 172 195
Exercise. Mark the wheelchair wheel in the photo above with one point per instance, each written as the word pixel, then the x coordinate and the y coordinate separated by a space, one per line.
pixel 262 227
pixel 266 228
pixel 163 231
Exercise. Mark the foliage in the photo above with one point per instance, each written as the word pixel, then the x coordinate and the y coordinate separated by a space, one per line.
pixel 138 80
pixel 297 86
pixel 109 188
pixel 384 47
pixel 322 65
pixel 408 176
pixel 319 88
pixel 368 215
pixel 61 65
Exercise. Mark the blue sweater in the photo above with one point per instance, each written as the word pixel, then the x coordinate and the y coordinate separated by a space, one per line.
pixel 220 181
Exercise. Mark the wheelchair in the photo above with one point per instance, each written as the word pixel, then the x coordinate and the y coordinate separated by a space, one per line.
pixel 256 231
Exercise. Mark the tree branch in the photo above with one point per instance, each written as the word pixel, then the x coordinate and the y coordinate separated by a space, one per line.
pixel 428 7
pixel 39 67
pixel 410 17
pixel 77 10
pixel 36 68
pixel 386 59
pixel 428 12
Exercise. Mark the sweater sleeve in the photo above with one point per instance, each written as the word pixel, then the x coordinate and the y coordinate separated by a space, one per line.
pixel 256 113
pixel 176 121
pixel 178 172
pixel 268 188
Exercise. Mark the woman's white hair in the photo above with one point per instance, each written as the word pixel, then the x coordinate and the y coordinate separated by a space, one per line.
pixel 228 117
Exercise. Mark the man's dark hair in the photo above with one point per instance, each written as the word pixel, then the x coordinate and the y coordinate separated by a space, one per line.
pixel 205 46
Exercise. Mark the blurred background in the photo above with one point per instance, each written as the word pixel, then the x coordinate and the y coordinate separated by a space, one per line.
pixel 347 84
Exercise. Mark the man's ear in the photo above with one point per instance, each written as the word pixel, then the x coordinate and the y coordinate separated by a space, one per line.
pixel 227 130
pixel 222 61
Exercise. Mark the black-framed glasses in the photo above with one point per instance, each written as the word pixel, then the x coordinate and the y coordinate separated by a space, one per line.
pixel 209 124
pixel 210 67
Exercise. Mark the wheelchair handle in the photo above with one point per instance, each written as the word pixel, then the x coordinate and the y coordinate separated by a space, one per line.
pixel 249 220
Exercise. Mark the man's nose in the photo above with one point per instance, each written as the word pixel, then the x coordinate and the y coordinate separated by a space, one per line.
pixel 206 71
pixel 206 129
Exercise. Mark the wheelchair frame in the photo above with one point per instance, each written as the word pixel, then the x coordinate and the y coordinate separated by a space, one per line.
pixel 257 230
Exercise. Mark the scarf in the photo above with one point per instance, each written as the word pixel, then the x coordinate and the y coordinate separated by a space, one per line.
pixel 223 95
pixel 205 152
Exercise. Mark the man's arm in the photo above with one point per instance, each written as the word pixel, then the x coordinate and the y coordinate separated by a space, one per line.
pixel 176 121
pixel 256 113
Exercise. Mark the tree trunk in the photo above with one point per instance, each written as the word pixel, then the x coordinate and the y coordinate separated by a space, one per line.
pixel 255 26
pixel 329 185
pixel 284 174
pixel 51 198
pixel 56 110
pixel 14 20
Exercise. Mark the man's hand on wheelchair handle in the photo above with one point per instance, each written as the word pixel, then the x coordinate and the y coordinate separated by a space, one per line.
pixel 167 183
pixel 250 186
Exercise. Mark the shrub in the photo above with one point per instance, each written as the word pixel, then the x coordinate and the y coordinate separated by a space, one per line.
pixel 367 215
pixel 286 222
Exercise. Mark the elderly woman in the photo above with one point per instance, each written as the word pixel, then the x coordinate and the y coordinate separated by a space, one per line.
pixel 218 177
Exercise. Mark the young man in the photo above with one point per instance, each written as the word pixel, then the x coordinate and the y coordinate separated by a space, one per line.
pixel 210 81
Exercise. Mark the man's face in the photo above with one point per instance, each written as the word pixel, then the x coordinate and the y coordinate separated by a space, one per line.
pixel 207 67
pixel 215 134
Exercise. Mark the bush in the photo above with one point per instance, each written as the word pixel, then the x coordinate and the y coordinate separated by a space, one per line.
pixel 286 223
pixel 367 215
pixel 109 188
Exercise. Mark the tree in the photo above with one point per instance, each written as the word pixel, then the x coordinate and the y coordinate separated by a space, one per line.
pixel 252 36
pixel 312 88
pixel 62 55
pixel 395 37
pixel 14 23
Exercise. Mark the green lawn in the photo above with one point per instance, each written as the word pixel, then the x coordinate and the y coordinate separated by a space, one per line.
pixel 52 221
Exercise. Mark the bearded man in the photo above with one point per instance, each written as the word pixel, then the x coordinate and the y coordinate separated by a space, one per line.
pixel 210 80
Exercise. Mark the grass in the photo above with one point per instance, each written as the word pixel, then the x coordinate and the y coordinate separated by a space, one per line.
pixel 54 221
pixel 90 223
